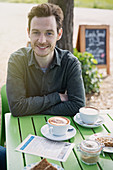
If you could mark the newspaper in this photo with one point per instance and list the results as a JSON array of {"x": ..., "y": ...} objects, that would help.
[{"x": 46, "y": 148}]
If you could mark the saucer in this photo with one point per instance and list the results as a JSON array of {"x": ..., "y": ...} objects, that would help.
[
  {"x": 98, "y": 123},
  {"x": 45, "y": 132}
]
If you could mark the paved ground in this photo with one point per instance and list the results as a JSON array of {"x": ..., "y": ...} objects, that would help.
[{"x": 13, "y": 34}]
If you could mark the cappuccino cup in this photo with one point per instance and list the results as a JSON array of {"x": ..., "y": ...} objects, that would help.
[
  {"x": 58, "y": 125},
  {"x": 89, "y": 115}
]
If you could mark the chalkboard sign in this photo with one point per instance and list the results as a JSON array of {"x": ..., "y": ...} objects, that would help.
[
  {"x": 95, "y": 40},
  {"x": 96, "y": 44}
]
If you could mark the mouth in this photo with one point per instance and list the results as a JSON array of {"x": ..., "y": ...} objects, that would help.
[{"x": 42, "y": 47}]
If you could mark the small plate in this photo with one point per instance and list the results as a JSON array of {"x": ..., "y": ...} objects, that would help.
[
  {"x": 45, "y": 132},
  {"x": 28, "y": 167},
  {"x": 78, "y": 120},
  {"x": 95, "y": 136}
]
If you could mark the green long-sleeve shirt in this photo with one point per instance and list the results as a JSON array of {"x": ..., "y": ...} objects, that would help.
[{"x": 31, "y": 91}]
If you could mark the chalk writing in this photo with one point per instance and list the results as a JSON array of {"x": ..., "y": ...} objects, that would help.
[{"x": 96, "y": 44}]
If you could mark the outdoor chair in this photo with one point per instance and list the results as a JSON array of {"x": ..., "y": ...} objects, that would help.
[{"x": 5, "y": 109}]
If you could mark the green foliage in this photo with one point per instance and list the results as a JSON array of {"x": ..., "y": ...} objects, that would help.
[
  {"x": 27, "y": 1},
  {"x": 91, "y": 76},
  {"x": 102, "y": 4}
]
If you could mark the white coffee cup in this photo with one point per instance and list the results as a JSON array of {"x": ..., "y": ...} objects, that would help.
[
  {"x": 89, "y": 115},
  {"x": 58, "y": 125}
]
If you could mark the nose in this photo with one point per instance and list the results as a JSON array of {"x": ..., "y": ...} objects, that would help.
[{"x": 42, "y": 38}]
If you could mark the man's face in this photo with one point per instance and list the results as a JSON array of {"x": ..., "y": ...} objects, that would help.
[{"x": 43, "y": 35}]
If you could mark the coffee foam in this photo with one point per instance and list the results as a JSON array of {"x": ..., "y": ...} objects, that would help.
[
  {"x": 58, "y": 121},
  {"x": 89, "y": 111}
]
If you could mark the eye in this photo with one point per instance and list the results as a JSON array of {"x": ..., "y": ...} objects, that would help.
[
  {"x": 49, "y": 33},
  {"x": 36, "y": 32}
]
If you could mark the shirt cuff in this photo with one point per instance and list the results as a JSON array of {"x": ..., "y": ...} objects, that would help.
[{"x": 54, "y": 98}]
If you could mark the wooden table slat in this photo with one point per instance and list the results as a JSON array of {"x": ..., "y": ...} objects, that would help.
[
  {"x": 14, "y": 158},
  {"x": 39, "y": 121},
  {"x": 26, "y": 129}
]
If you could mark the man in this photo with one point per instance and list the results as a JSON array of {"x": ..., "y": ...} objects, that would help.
[
  {"x": 43, "y": 79},
  {"x": 2, "y": 158}
]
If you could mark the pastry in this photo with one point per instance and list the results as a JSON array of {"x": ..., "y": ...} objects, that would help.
[
  {"x": 43, "y": 165},
  {"x": 107, "y": 141}
]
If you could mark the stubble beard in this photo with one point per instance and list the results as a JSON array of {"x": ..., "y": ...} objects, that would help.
[{"x": 51, "y": 51}]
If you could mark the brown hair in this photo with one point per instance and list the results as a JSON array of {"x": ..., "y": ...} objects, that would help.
[{"x": 45, "y": 10}]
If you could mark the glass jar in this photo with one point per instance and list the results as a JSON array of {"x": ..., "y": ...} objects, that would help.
[{"x": 90, "y": 151}]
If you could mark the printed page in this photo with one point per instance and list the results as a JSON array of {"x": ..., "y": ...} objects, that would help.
[{"x": 46, "y": 148}]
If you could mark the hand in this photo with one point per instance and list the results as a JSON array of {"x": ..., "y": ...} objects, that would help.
[{"x": 63, "y": 97}]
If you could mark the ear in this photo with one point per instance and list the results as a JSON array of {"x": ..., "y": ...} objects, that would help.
[
  {"x": 59, "y": 34},
  {"x": 28, "y": 32}
]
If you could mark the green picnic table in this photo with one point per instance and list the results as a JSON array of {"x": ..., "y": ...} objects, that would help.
[{"x": 18, "y": 128}]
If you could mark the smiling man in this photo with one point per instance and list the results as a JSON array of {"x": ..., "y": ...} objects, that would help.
[{"x": 44, "y": 79}]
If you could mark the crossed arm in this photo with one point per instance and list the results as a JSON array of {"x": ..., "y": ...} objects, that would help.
[{"x": 54, "y": 103}]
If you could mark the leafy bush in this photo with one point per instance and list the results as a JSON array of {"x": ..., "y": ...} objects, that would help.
[{"x": 91, "y": 76}]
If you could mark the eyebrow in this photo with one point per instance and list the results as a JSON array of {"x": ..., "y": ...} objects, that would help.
[
  {"x": 34, "y": 30},
  {"x": 50, "y": 30},
  {"x": 39, "y": 30}
]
